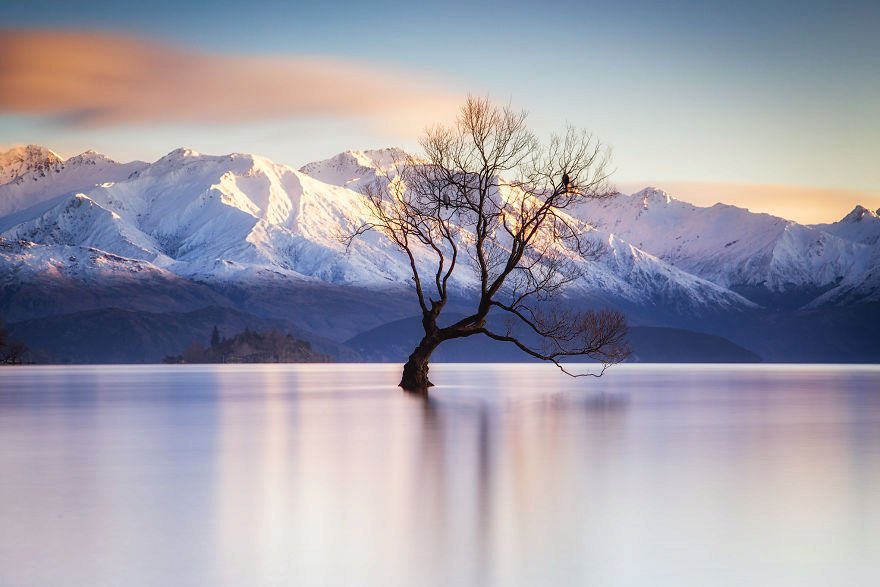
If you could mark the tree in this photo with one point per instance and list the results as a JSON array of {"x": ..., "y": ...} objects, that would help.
[
  {"x": 15, "y": 353},
  {"x": 487, "y": 203},
  {"x": 12, "y": 352},
  {"x": 215, "y": 337}
]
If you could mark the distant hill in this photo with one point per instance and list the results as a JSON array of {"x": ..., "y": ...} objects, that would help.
[
  {"x": 111, "y": 335},
  {"x": 395, "y": 340},
  {"x": 674, "y": 345}
]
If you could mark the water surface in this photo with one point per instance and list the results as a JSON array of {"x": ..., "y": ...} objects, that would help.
[{"x": 507, "y": 475}]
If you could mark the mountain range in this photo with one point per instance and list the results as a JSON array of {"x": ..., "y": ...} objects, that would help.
[{"x": 242, "y": 236}]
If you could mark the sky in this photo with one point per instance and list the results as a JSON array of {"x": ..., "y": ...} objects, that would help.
[{"x": 780, "y": 99}]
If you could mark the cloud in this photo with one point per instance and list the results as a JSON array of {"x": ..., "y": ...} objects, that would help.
[
  {"x": 98, "y": 79},
  {"x": 807, "y": 205}
]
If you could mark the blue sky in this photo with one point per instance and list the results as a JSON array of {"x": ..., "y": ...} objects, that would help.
[{"x": 781, "y": 93}]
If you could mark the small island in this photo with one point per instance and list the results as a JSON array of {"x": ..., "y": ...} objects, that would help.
[{"x": 250, "y": 347}]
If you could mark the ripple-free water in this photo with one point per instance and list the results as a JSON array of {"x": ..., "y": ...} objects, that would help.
[{"x": 506, "y": 475}]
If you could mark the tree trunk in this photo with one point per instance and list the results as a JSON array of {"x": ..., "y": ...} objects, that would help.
[{"x": 415, "y": 371}]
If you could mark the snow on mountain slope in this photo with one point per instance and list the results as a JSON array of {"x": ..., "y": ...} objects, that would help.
[
  {"x": 19, "y": 161},
  {"x": 622, "y": 271},
  {"x": 353, "y": 169},
  {"x": 861, "y": 226},
  {"x": 865, "y": 289},
  {"x": 859, "y": 288},
  {"x": 44, "y": 280},
  {"x": 79, "y": 221},
  {"x": 31, "y": 175},
  {"x": 727, "y": 245},
  {"x": 243, "y": 217},
  {"x": 82, "y": 263},
  {"x": 213, "y": 213},
  {"x": 218, "y": 216},
  {"x": 636, "y": 276}
]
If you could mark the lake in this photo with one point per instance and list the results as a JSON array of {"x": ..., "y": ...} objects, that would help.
[{"x": 508, "y": 475}]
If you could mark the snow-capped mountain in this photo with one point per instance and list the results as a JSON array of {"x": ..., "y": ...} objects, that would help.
[
  {"x": 235, "y": 216},
  {"x": 31, "y": 175},
  {"x": 354, "y": 169},
  {"x": 215, "y": 216},
  {"x": 19, "y": 161},
  {"x": 727, "y": 245},
  {"x": 240, "y": 218},
  {"x": 860, "y": 289},
  {"x": 861, "y": 226},
  {"x": 240, "y": 232},
  {"x": 38, "y": 280}
]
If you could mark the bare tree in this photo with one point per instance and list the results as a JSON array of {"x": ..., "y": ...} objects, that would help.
[
  {"x": 12, "y": 352},
  {"x": 487, "y": 204},
  {"x": 15, "y": 353}
]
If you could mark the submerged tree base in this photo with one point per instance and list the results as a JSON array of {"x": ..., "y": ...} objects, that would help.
[
  {"x": 416, "y": 389},
  {"x": 415, "y": 374}
]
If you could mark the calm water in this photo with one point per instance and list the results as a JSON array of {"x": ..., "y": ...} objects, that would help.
[{"x": 508, "y": 475}]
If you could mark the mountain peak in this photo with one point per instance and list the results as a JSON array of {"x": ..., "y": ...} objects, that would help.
[
  {"x": 859, "y": 213},
  {"x": 21, "y": 160},
  {"x": 352, "y": 167},
  {"x": 861, "y": 226},
  {"x": 367, "y": 158},
  {"x": 652, "y": 195},
  {"x": 88, "y": 158},
  {"x": 380, "y": 158},
  {"x": 181, "y": 153},
  {"x": 29, "y": 152}
]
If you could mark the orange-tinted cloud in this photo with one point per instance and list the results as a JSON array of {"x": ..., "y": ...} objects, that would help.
[
  {"x": 807, "y": 205},
  {"x": 86, "y": 78}
]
